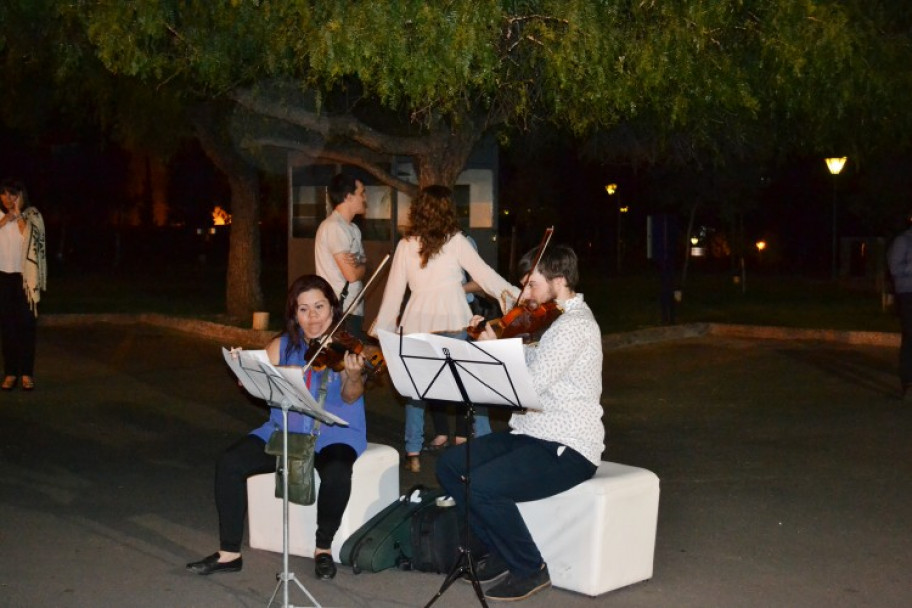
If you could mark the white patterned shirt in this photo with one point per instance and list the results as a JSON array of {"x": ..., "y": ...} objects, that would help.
[{"x": 566, "y": 370}]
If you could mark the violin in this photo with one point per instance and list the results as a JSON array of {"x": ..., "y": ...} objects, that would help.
[
  {"x": 525, "y": 318},
  {"x": 528, "y": 316},
  {"x": 332, "y": 355},
  {"x": 330, "y": 350}
]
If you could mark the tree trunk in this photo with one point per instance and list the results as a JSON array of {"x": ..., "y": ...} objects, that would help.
[
  {"x": 243, "y": 294},
  {"x": 448, "y": 155}
]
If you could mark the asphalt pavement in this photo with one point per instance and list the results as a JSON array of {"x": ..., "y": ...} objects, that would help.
[{"x": 784, "y": 468}]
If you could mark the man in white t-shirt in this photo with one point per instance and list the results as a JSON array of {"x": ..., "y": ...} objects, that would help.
[{"x": 339, "y": 252}]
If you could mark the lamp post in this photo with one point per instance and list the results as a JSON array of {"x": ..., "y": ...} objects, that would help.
[
  {"x": 835, "y": 165},
  {"x": 611, "y": 189}
]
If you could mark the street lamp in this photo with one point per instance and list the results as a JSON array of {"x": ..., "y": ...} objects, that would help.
[
  {"x": 835, "y": 165},
  {"x": 611, "y": 189}
]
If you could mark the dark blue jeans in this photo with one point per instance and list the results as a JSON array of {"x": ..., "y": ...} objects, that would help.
[{"x": 507, "y": 469}]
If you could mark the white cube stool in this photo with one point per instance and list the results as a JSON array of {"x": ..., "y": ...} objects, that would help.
[
  {"x": 375, "y": 484},
  {"x": 601, "y": 534}
]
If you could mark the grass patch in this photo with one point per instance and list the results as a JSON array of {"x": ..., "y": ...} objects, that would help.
[
  {"x": 622, "y": 304},
  {"x": 181, "y": 291}
]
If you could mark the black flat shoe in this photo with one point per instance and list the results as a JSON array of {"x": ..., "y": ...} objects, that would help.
[
  {"x": 209, "y": 565},
  {"x": 436, "y": 447},
  {"x": 324, "y": 566}
]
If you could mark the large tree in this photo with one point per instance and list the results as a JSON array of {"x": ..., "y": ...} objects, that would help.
[
  {"x": 362, "y": 82},
  {"x": 690, "y": 77}
]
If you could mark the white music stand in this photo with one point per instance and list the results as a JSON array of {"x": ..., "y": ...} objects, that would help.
[
  {"x": 281, "y": 387},
  {"x": 491, "y": 373}
]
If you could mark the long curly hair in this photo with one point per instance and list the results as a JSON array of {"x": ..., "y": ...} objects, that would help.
[{"x": 432, "y": 218}]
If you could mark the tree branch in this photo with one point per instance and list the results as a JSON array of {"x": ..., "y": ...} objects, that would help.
[
  {"x": 344, "y": 156},
  {"x": 330, "y": 126}
]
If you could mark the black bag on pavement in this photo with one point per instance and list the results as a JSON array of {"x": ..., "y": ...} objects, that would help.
[
  {"x": 384, "y": 541},
  {"x": 436, "y": 536}
]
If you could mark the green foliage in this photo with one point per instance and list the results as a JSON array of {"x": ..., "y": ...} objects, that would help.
[{"x": 709, "y": 68}]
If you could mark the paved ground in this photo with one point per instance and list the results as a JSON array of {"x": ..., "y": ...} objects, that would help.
[{"x": 785, "y": 471}]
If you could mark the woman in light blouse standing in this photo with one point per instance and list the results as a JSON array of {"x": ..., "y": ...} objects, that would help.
[
  {"x": 23, "y": 275},
  {"x": 430, "y": 261}
]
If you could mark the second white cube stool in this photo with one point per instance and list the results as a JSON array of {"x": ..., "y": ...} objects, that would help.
[
  {"x": 375, "y": 484},
  {"x": 601, "y": 534}
]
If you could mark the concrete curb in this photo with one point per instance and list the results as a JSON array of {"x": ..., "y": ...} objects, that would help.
[
  {"x": 868, "y": 338},
  {"x": 754, "y": 332},
  {"x": 652, "y": 335},
  {"x": 228, "y": 335},
  {"x": 251, "y": 338}
]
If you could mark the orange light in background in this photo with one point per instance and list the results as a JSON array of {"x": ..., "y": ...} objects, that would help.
[
  {"x": 761, "y": 245},
  {"x": 836, "y": 164},
  {"x": 220, "y": 217}
]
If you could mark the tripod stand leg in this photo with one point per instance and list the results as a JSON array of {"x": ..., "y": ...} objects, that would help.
[
  {"x": 465, "y": 563},
  {"x": 283, "y": 584},
  {"x": 285, "y": 575}
]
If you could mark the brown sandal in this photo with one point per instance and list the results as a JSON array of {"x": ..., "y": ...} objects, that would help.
[
  {"x": 9, "y": 383},
  {"x": 412, "y": 463},
  {"x": 28, "y": 383}
]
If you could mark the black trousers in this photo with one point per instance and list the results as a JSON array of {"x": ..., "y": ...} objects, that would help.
[
  {"x": 440, "y": 417},
  {"x": 17, "y": 327},
  {"x": 247, "y": 457},
  {"x": 904, "y": 307}
]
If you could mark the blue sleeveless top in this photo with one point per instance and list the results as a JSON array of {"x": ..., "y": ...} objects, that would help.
[{"x": 354, "y": 435}]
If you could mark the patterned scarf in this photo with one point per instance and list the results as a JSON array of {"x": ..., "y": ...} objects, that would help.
[{"x": 34, "y": 262}]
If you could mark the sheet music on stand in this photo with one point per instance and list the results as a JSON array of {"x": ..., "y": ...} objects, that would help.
[
  {"x": 494, "y": 372},
  {"x": 278, "y": 386}
]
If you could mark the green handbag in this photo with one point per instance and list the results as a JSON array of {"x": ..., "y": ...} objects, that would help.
[{"x": 301, "y": 448}]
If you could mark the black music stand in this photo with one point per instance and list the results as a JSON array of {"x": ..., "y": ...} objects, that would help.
[
  {"x": 431, "y": 358},
  {"x": 281, "y": 388}
]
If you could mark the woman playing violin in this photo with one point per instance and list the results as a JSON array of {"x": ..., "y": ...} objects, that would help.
[
  {"x": 546, "y": 451},
  {"x": 430, "y": 260},
  {"x": 311, "y": 309}
]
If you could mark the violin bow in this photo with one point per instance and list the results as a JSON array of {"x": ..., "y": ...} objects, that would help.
[
  {"x": 348, "y": 310},
  {"x": 546, "y": 238}
]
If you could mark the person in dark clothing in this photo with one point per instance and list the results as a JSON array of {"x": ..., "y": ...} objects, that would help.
[{"x": 899, "y": 259}]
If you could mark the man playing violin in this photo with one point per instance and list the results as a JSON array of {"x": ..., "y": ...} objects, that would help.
[{"x": 545, "y": 451}]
